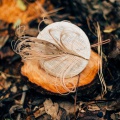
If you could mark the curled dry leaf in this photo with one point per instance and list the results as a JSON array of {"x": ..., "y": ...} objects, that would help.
[
  {"x": 39, "y": 112},
  {"x": 110, "y": 28},
  {"x": 93, "y": 107},
  {"x": 14, "y": 108},
  {"x": 51, "y": 108}
]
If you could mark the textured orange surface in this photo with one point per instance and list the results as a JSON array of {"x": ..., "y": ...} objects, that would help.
[
  {"x": 10, "y": 12},
  {"x": 35, "y": 74}
]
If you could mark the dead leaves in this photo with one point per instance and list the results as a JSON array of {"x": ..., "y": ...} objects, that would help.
[{"x": 51, "y": 108}]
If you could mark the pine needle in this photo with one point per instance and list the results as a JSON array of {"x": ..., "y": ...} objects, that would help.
[{"x": 100, "y": 73}]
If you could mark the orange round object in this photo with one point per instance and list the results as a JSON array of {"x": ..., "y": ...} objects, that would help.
[{"x": 38, "y": 76}]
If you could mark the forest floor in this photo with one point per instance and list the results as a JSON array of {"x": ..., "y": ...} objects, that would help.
[{"x": 18, "y": 101}]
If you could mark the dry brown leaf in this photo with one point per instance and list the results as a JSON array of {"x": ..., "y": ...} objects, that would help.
[
  {"x": 51, "y": 108},
  {"x": 110, "y": 28},
  {"x": 69, "y": 107}
]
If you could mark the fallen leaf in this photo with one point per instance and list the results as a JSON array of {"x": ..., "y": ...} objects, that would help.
[
  {"x": 69, "y": 107},
  {"x": 39, "y": 112},
  {"x": 110, "y": 28},
  {"x": 93, "y": 107},
  {"x": 51, "y": 108}
]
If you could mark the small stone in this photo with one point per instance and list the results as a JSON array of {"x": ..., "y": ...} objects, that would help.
[
  {"x": 13, "y": 89},
  {"x": 100, "y": 114}
]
